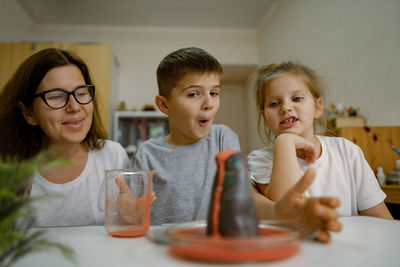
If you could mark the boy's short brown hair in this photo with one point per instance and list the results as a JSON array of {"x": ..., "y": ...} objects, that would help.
[{"x": 181, "y": 62}]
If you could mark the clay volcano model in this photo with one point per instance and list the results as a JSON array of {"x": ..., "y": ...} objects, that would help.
[{"x": 232, "y": 211}]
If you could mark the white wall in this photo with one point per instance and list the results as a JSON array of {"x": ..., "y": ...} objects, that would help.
[
  {"x": 139, "y": 50},
  {"x": 353, "y": 44},
  {"x": 14, "y": 21},
  {"x": 233, "y": 111}
]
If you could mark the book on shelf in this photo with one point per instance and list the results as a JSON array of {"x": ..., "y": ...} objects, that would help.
[{"x": 133, "y": 131}]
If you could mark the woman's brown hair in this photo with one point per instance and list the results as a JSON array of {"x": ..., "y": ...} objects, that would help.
[{"x": 17, "y": 137}]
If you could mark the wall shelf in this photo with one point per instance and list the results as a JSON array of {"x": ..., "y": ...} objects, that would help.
[{"x": 131, "y": 128}]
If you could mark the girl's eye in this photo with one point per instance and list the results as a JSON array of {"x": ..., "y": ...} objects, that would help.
[
  {"x": 298, "y": 98},
  {"x": 273, "y": 104}
]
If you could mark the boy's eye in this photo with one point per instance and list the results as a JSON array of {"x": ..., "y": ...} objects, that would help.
[
  {"x": 193, "y": 94},
  {"x": 214, "y": 93},
  {"x": 298, "y": 98}
]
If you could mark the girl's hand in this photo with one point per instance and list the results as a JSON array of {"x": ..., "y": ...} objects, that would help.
[
  {"x": 304, "y": 149},
  {"x": 314, "y": 213}
]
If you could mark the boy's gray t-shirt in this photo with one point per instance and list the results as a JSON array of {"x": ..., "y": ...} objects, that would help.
[{"x": 184, "y": 174}]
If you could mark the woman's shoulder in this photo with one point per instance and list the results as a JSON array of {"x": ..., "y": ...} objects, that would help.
[
  {"x": 110, "y": 148},
  {"x": 112, "y": 153},
  {"x": 112, "y": 145}
]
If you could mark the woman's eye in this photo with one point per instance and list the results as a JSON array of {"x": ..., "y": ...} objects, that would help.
[
  {"x": 56, "y": 97},
  {"x": 80, "y": 94},
  {"x": 298, "y": 98}
]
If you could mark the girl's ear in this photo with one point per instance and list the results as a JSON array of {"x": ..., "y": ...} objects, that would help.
[
  {"x": 319, "y": 108},
  {"x": 162, "y": 104},
  {"x": 28, "y": 114}
]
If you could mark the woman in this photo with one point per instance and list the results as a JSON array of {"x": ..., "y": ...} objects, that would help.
[{"x": 50, "y": 104}]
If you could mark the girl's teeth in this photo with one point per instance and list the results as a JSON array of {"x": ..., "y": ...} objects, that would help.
[{"x": 289, "y": 120}]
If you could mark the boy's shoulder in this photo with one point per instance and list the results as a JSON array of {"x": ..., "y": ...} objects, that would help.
[
  {"x": 152, "y": 144},
  {"x": 221, "y": 129}
]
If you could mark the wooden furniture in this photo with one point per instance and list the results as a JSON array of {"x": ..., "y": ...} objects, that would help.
[
  {"x": 98, "y": 57},
  {"x": 364, "y": 241},
  {"x": 347, "y": 121},
  {"x": 376, "y": 144},
  {"x": 392, "y": 192}
]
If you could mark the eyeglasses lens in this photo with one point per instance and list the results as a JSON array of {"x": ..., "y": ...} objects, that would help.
[{"x": 58, "y": 99}]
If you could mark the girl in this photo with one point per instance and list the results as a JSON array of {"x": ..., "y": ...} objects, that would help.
[
  {"x": 50, "y": 104},
  {"x": 289, "y": 102}
]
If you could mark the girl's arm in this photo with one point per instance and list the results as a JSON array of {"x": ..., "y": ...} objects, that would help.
[
  {"x": 379, "y": 210},
  {"x": 285, "y": 169}
]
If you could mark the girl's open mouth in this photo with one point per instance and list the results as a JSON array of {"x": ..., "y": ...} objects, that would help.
[{"x": 289, "y": 122}]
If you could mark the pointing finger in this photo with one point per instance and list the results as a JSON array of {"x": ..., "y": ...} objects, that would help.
[{"x": 303, "y": 183}]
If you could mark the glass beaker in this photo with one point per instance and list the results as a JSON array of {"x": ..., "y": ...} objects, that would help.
[{"x": 127, "y": 202}]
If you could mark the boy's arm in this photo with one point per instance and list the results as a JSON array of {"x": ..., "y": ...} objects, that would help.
[
  {"x": 285, "y": 169},
  {"x": 379, "y": 210},
  {"x": 313, "y": 213}
]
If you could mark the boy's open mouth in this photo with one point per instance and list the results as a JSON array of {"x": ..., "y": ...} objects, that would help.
[{"x": 203, "y": 122}]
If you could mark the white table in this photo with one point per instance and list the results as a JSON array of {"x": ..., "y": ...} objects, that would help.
[{"x": 364, "y": 241}]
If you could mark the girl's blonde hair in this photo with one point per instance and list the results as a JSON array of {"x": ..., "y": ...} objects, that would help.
[{"x": 266, "y": 74}]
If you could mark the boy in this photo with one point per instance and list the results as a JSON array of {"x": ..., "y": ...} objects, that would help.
[{"x": 184, "y": 160}]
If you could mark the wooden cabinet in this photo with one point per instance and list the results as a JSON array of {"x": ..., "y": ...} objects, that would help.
[
  {"x": 376, "y": 144},
  {"x": 98, "y": 57},
  {"x": 392, "y": 192},
  {"x": 347, "y": 121}
]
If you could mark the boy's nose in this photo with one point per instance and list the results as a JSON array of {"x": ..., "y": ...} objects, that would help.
[{"x": 207, "y": 103}]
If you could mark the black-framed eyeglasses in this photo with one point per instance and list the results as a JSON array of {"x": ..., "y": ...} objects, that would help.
[{"x": 58, "y": 98}]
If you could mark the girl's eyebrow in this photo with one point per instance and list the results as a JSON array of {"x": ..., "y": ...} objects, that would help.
[
  {"x": 292, "y": 93},
  {"x": 299, "y": 91}
]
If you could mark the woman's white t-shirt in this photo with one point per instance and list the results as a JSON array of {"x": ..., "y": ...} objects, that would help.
[{"x": 75, "y": 203}]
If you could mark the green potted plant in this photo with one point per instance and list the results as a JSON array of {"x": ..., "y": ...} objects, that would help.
[{"x": 16, "y": 240}]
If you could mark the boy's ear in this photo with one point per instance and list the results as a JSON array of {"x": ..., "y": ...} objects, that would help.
[
  {"x": 161, "y": 103},
  {"x": 319, "y": 108},
  {"x": 28, "y": 114}
]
